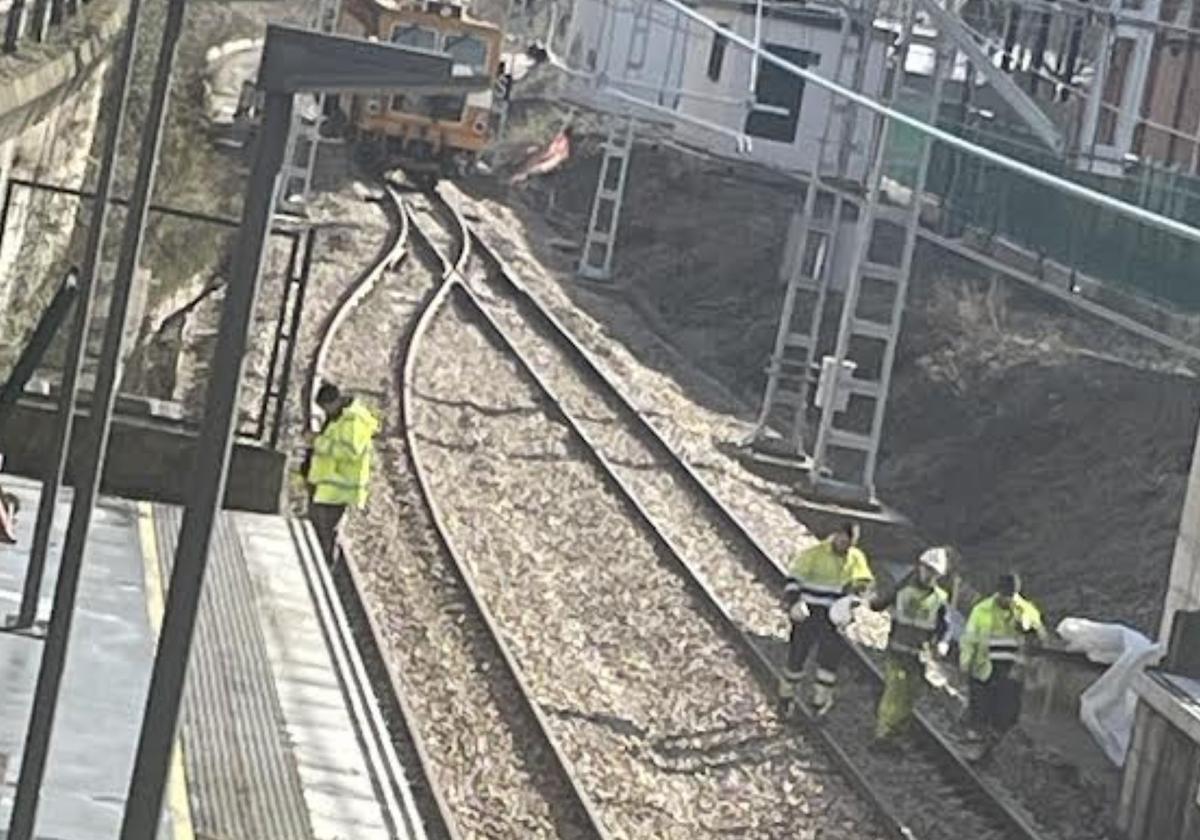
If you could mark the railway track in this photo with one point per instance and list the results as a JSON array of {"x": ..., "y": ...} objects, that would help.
[
  {"x": 651, "y": 694},
  {"x": 928, "y": 792},
  {"x": 489, "y": 767}
]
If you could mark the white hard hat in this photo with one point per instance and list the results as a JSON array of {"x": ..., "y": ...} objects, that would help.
[{"x": 937, "y": 559}]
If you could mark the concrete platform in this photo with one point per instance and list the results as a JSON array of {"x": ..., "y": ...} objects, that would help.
[
  {"x": 278, "y": 739},
  {"x": 108, "y": 670}
]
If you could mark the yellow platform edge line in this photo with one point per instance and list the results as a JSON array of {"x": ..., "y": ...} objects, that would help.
[{"x": 177, "y": 795}]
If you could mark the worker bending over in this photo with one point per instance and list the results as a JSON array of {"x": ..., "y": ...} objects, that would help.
[
  {"x": 817, "y": 577},
  {"x": 920, "y": 628},
  {"x": 341, "y": 464},
  {"x": 992, "y": 652}
]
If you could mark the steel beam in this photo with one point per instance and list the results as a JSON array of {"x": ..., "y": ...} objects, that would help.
[
  {"x": 144, "y": 803},
  {"x": 77, "y": 342},
  {"x": 1024, "y": 105},
  {"x": 31, "y": 355},
  {"x": 293, "y": 61},
  {"x": 54, "y": 654}
]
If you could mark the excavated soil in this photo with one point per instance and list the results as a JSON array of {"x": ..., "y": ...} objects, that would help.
[{"x": 1023, "y": 432}]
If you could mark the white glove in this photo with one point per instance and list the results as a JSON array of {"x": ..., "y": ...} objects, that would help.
[
  {"x": 943, "y": 649},
  {"x": 799, "y": 612},
  {"x": 841, "y": 613}
]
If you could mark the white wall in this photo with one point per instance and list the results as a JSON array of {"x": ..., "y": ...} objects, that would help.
[
  {"x": 677, "y": 53},
  {"x": 734, "y": 80},
  {"x": 638, "y": 44}
]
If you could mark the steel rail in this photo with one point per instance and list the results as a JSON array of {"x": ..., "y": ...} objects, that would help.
[
  {"x": 429, "y": 308},
  {"x": 402, "y": 813},
  {"x": 758, "y": 661},
  {"x": 392, "y": 252},
  {"x": 451, "y": 271},
  {"x": 767, "y": 569}
]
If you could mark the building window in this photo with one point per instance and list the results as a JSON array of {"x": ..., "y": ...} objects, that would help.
[
  {"x": 716, "y": 55},
  {"x": 780, "y": 94},
  {"x": 1114, "y": 89}
]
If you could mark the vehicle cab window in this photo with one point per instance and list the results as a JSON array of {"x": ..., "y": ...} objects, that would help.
[
  {"x": 469, "y": 53},
  {"x": 407, "y": 35}
]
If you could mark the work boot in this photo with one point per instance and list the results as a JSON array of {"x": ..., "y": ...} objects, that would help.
[
  {"x": 785, "y": 703},
  {"x": 981, "y": 750},
  {"x": 822, "y": 699}
]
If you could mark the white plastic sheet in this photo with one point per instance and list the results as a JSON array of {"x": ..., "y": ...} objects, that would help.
[{"x": 1108, "y": 706}]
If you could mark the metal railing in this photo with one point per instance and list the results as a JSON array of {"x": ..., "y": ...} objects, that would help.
[
  {"x": 33, "y": 19},
  {"x": 978, "y": 196}
]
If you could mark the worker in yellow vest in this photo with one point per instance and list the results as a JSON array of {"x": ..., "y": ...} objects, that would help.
[
  {"x": 817, "y": 578},
  {"x": 920, "y": 628},
  {"x": 992, "y": 654},
  {"x": 340, "y": 469}
]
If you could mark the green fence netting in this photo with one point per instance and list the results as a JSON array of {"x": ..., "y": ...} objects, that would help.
[{"x": 1098, "y": 242}]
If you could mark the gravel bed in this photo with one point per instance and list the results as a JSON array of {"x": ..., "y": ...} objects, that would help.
[
  {"x": 723, "y": 560},
  {"x": 653, "y": 703},
  {"x": 1068, "y": 803},
  {"x": 493, "y": 769},
  {"x": 656, "y": 378},
  {"x": 353, "y": 230},
  {"x": 684, "y": 516},
  {"x": 666, "y": 388}
]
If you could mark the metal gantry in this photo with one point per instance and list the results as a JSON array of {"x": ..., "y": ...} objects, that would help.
[
  {"x": 859, "y": 374},
  {"x": 601, "y": 240},
  {"x": 846, "y": 390},
  {"x": 807, "y": 264}
]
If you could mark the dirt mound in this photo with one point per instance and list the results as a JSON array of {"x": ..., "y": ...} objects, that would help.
[
  {"x": 1023, "y": 432},
  {"x": 1030, "y": 450}
]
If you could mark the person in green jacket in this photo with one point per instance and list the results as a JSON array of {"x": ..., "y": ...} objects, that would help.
[
  {"x": 992, "y": 655},
  {"x": 817, "y": 577},
  {"x": 340, "y": 469},
  {"x": 920, "y": 627}
]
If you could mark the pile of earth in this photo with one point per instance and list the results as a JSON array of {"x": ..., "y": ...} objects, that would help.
[{"x": 1026, "y": 434}]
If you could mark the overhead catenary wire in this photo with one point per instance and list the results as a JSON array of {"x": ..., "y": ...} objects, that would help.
[{"x": 1033, "y": 173}]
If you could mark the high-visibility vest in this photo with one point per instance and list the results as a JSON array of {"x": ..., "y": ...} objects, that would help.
[
  {"x": 916, "y": 616},
  {"x": 997, "y": 635},
  {"x": 341, "y": 463},
  {"x": 820, "y": 575}
]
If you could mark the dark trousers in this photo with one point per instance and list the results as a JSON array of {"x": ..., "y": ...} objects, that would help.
[
  {"x": 325, "y": 520},
  {"x": 816, "y": 631},
  {"x": 995, "y": 705}
]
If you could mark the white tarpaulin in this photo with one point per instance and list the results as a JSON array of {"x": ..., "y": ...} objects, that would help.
[{"x": 1108, "y": 706}]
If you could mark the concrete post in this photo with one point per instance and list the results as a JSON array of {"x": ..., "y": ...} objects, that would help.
[{"x": 1183, "y": 588}]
